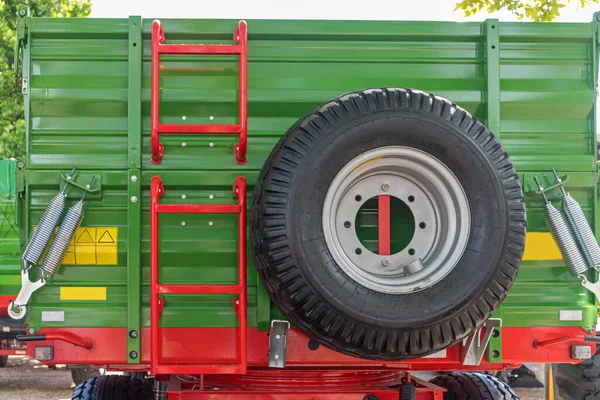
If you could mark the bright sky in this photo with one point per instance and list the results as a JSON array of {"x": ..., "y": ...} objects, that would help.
[{"x": 436, "y": 10}]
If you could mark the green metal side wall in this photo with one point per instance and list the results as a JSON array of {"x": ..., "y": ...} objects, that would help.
[
  {"x": 533, "y": 84},
  {"x": 10, "y": 265}
]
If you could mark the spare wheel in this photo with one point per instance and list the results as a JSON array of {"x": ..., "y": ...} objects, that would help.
[{"x": 388, "y": 224}]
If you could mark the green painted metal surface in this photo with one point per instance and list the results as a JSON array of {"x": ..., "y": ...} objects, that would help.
[
  {"x": 10, "y": 266},
  {"x": 88, "y": 104}
]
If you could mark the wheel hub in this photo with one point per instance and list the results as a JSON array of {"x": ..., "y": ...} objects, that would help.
[{"x": 438, "y": 204}]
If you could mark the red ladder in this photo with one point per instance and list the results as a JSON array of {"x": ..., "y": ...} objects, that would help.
[
  {"x": 156, "y": 288},
  {"x": 240, "y": 48}
]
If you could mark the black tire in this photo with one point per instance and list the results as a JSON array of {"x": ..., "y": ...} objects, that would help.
[
  {"x": 474, "y": 386},
  {"x": 136, "y": 375},
  {"x": 3, "y": 361},
  {"x": 113, "y": 387},
  {"x": 578, "y": 382},
  {"x": 312, "y": 290},
  {"x": 83, "y": 373}
]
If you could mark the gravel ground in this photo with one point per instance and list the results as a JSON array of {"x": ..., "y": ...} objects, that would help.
[
  {"x": 27, "y": 379},
  {"x": 530, "y": 394}
]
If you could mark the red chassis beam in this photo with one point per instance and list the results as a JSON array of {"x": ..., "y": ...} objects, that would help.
[
  {"x": 218, "y": 346},
  {"x": 13, "y": 352}
]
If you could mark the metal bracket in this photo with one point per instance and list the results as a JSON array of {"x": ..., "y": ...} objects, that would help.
[
  {"x": 21, "y": 39},
  {"x": 278, "y": 343},
  {"x": 592, "y": 287},
  {"x": 474, "y": 346},
  {"x": 27, "y": 289}
]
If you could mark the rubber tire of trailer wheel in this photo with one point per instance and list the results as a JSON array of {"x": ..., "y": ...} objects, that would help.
[
  {"x": 474, "y": 386},
  {"x": 3, "y": 361},
  {"x": 113, "y": 387},
  {"x": 316, "y": 294},
  {"x": 578, "y": 382}
]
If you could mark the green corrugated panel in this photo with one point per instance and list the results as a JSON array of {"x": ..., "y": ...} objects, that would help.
[
  {"x": 78, "y": 115},
  {"x": 8, "y": 179},
  {"x": 10, "y": 279}
]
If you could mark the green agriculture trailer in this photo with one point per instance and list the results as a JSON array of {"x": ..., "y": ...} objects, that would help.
[{"x": 308, "y": 209}]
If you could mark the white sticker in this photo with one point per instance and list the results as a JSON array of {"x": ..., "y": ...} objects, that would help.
[
  {"x": 439, "y": 354},
  {"x": 6, "y": 329},
  {"x": 53, "y": 316},
  {"x": 571, "y": 315}
]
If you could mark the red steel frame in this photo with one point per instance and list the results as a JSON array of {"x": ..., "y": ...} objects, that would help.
[
  {"x": 277, "y": 384},
  {"x": 384, "y": 215},
  {"x": 156, "y": 303},
  {"x": 240, "y": 48}
]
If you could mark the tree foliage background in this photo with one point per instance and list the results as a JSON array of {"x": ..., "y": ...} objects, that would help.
[
  {"x": 534, "y": 10},
  {"x": 12, "y": 124}
]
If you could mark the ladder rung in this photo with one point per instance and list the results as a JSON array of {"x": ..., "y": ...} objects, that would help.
[
  {"x": 199, "y": 128},
  {"x": 199, "y": 289},
  {"x": 198, "y": 208},
  {"x": 208, "y": 49}
]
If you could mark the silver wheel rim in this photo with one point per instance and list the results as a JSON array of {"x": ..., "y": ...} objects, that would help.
[{"x": 438, "y": 201}]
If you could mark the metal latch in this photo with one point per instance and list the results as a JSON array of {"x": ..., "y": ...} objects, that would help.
[
  {"x": 278, "y": 343},
  {"x": 21, "y": 34},
  {"x": 474, "y": 346}
]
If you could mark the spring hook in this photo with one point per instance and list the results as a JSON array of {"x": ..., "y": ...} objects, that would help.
[
  {"x": 562, "y": 236},
  {"x": 45, "y": 229},
  {"x": 579, "y": 225},
  {"x": 65, "y": 234}
]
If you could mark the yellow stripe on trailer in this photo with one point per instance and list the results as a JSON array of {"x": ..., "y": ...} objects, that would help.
[
  {"x": 541, "y": 246},
  {"x": 83, "y": 293}
]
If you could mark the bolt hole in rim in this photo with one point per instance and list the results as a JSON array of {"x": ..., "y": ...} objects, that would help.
[{"x": 434, "y": 196}]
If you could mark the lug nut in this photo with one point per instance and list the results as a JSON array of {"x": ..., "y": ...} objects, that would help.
[
  {"x": 385, "y": 187},
  {"x": 385, "y": 262}
]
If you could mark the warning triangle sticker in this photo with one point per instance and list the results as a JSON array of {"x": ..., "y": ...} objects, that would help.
[
  {"x": 85, "y": 237},
  {"x": 106, "y": 237}
]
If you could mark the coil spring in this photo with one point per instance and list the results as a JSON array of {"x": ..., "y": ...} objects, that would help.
[
  {"x": 62, "y": 240},
  {"x": 564, "y": 239},
  {"x": 408, "y": 391},
  {"x": 41, "y": 236},
  {"x": 580, "y": 226}
]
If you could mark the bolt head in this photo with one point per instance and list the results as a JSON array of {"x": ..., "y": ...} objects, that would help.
[
  {"x": 211, "y": 197},
  {"x": 183, "y": 117},
  {"x": 211, "y": 144},
  {"x": 183, "y": 196},
  {"x": 183, "y": 144},
  {"x": 385, "y": 187},
  {"x": 210, "y": 223},
  {"x": 211, "y": 118},
  {"x": 133, "y": 178},
  {"x": 31, "y": 331},
  {"x": 385, "y": 262},
  {"x": 133, "y": 334},
  {"x": 277, "y": 356},
  {"x": 183, "y": 223},
  {"x": 133, "y": 354},
  {"x": 134, "y": 199},
  {"x": 277, "y": 336}
]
